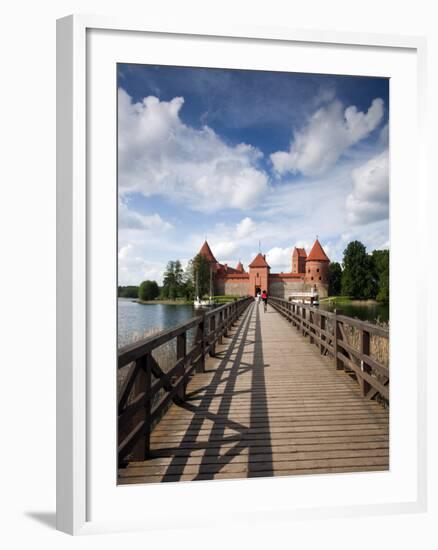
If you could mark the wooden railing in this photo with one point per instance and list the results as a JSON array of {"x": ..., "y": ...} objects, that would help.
[
  {"x": 148, "y": 389},
  {"x": 329, "y": 331}
]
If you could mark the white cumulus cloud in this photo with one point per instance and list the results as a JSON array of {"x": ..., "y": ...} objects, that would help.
[
  {"x": 369, "y": 199},
  {"x": 245, "y": 228},
  {"x": 130, "y": 219},
  {"x": 135, "y": 268},
  {"x": 160, "y": 155},
  {"x": 280, "y": 258},
  {"x": 224, "y": 249},
  {"x": 329, "y": 132}
]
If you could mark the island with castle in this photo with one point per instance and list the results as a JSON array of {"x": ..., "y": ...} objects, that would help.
[{"x": 309, "y": 274}]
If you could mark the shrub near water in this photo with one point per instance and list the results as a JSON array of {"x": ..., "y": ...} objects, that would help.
[
  {"x": 225, "y": 299},
  {"x": 148, "y": 291}
]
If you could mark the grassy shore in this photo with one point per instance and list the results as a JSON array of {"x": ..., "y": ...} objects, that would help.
[
  {"x": 181, "y": 302},
  {"x": 165, "y": 302},
  {"x": 346, "y": 300}
]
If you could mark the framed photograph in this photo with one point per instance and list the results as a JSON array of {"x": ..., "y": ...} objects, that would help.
[{"x": 238, "y": 216}]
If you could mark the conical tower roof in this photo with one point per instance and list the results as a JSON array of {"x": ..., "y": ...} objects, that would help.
[
  {"x": 207, "y": 253},
  {"x": 259, "y": 261},
  {"x": 317, "y": 253}
]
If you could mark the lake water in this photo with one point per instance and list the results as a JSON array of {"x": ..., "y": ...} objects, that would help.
[
  {"x": 365, "y": 312},
  {"x": 135, "y": 320}
]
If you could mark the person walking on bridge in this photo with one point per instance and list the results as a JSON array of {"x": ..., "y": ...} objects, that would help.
[{"x": 265, "y": 300}]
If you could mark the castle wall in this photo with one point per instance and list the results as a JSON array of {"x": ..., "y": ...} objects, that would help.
[
  {"x": 277, "y": 285},
  {"x": 281, "y": 288},
  {"x": 284, "y": 287},
  {"x": 232, "y": 286}
]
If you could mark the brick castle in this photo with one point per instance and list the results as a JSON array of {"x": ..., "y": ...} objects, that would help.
[{"x": 307, "y": 272}]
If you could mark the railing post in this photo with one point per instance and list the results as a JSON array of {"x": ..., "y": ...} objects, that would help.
[
  {"x": 365, "y": 350},
  {"x": 221, "y": 325},
  {"x": 142, "y": 384},
  {"x": 181, "y": 352},
  {"x": 226, "y": 311},
  {"x": 303, "y": 319},
  {"x": 200, "y": 340},
  {"x": 212, "y": 345},
  {"x": 337, "y": 336},
  {"x": 321, "y": 336},
  {"x": 311, "y": 320}
]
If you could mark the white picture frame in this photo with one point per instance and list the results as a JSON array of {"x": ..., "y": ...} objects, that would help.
[{"x": 76, "y": 212}]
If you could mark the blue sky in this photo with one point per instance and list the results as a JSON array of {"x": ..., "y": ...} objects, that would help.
[{"x": 242, "y": 156}]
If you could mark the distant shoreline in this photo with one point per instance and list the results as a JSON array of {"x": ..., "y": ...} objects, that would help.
[
  {"x": 350, "y": 301},
  {"x": 164, "y": 302}
]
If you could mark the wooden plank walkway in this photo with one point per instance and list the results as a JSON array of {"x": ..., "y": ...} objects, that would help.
[{"x": 268, "y": 404}]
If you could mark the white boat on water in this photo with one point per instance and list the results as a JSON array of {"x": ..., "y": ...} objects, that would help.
[
  {"x": 207, "y": 302},
  {"x": 204, "y": 303},
  {"x": 309, "y": 298}
]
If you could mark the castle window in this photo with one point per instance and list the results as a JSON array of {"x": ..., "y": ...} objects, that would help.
[
  {"x": 317, "y": 270},
  {"x": 308, "y": 271},
  {"x": 311, "y": 278},
  {"x": 320, "y": 278}
]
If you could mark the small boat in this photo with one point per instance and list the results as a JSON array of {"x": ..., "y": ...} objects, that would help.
[
  {"x": 208, "y": 302},
  {"x": 310, "y": 298},
  {"x": 204, "y": 303}
]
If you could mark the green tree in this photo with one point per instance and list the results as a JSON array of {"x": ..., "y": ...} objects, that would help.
[
  {"x": 127, "y": 291},
  {"x": 148, "y": 290},
  {"x": 173, "y": 280},
  {"x": 381, "y": 267},
  {"x": 334, "y": 279},
  {"x": 199, "y": 273},
  {"x": 358, "y": 276}
]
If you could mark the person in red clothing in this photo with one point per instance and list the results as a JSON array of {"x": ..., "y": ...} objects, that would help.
[{"x": 265, "y": 300}]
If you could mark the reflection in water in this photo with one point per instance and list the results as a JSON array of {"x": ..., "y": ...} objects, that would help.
[
  {"x": 374, "y": 312},
  {"x": 137, "y": 320}
]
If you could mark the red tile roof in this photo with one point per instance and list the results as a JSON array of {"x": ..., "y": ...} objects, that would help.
[
  {"x": 239, "y": 267},
  {"x": 317, "y": 253},
  {"x": 259, "y": 261},
  {"x": 234, "y": 275},
  {"x": 207, "y": 253},
  {"x": 301, "y": 252}
]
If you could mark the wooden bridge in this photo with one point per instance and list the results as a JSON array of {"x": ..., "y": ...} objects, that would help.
[{"x": 293, "y": 390}]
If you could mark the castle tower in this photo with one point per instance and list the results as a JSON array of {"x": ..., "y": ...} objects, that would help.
[
  {"x": 317, "y": 264},
  {"x": 207, "y": 253},
  {"x": 239, "y": 267},
  {"x": 299, "y": 260},
  {"x": 258, "y": 275}
]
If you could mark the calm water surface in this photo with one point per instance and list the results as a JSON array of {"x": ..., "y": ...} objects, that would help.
[
  {"x": 366, "y": 312},
  {"x": 136, "y": 320}
]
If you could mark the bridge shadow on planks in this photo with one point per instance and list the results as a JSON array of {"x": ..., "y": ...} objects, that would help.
[
  {"x": 212, "y": 404},
  {"x": 268, "y": 404}
]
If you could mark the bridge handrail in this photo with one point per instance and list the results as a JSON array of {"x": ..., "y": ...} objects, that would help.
[
  {"x": 327, "y": 330},
  {"x": 139, "y": 403}
]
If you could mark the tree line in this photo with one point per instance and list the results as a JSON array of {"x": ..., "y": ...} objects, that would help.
[
  {"x": 177, "y": 283},
  {"x": 361, "y": 275}
]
